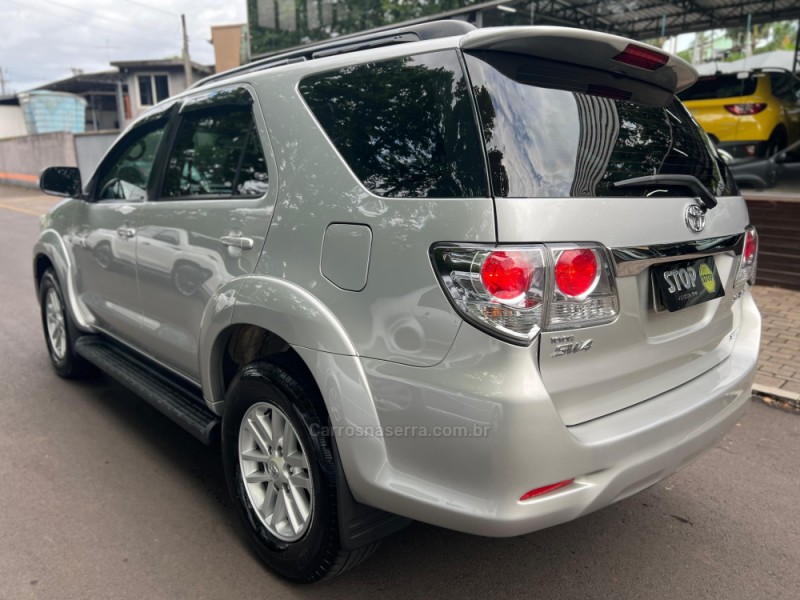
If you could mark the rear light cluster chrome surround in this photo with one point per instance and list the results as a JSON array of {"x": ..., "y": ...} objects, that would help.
[
  {"x": 746, "y": 272},
  {"x": 514, "y": 292}
]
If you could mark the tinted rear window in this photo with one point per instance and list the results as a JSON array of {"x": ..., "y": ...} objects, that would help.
[
  {"x": 405, "y": 126},
  {"x": 719, "y": 86},
  {"x": 552, "y": 130}
]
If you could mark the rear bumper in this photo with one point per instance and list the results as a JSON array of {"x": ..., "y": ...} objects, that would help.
[
  {"x": 466, "y": 438},
  {"x": 740, "y": 149}
]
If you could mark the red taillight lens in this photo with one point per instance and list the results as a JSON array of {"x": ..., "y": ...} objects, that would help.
[
  {"x": 644, "y": 58},
  {"x": 545, "y": 490},
  {"x": 577, "y": 272},
  {"x": 747, "y": 264},
  {"x": 750, "y": 247},
  {"x": 507, "y": 275},
  {"x": 748, "y": 108}
]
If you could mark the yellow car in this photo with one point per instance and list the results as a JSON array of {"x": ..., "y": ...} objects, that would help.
[{"x": 749, "y": 114}]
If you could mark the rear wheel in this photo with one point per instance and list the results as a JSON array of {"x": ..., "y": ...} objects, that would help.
[
  {"x": 777, "y": 142},
  {"x": 281, "y": 474},
  {"x": 103, "y": 255},
  {"x": 60, "y": 332}
]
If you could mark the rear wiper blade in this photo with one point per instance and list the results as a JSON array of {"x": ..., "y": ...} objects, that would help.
[{"x": 689, "y": 181}]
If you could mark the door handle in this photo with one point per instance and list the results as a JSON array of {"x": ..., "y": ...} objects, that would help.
[
  {"x": 235, "y": 241},
  {"x": 126, "y": 232}
]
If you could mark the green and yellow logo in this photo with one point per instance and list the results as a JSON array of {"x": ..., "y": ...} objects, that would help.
[{"x": 707, "y": 277}]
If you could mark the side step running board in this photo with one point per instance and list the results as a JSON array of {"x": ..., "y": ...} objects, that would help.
[{"x": 181, "y": 403}]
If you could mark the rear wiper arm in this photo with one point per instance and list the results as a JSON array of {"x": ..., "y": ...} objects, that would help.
[{"x": 689, "y": 181}]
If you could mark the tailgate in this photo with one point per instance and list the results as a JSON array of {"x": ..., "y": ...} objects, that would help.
[
  {"x": 559, "y": 138},
  {"x": 647, "y": 350}
]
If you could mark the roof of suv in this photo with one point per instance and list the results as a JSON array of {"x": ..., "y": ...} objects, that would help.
[
  {"x": 564, "y": 44},
  {"x": 348, "y": 43}
]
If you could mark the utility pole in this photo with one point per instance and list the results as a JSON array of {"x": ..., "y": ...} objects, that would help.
[
  {"x": 796, "y": 61},
  {"x": 187, "y": 63},
  {"x": 2, "y": 83},
  {"x": 120, "y": 104},
  {"x": 748, "y": 37}
]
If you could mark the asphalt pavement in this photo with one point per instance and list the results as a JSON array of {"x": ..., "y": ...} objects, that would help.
[{"x": 101, "y": 498}]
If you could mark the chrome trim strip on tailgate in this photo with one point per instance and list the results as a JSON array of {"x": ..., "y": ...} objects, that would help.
[{"x": 632, "y": 260}]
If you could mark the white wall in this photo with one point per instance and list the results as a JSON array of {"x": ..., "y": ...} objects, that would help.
[{"x": 12, "y": 121}]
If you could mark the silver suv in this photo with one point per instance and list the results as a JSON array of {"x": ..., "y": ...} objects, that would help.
[{"x": 491, "y": 280}]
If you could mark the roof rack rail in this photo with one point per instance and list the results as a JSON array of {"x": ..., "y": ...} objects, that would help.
[{"x": 385, "y": 36}]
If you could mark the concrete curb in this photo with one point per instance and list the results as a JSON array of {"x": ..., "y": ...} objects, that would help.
[{"x": 790, "y": 400}]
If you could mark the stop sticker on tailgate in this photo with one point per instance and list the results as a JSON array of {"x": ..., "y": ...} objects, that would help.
[{"x": 682, "y": 284}]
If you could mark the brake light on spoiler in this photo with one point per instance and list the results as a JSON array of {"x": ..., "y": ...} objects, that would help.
[{"x": 644, "y": 58}]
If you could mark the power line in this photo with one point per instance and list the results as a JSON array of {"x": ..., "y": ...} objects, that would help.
[
  {"x": 96, "y": 14},
  {"x": 84, "y": 23},
  {"x": 161, "y": 10}
]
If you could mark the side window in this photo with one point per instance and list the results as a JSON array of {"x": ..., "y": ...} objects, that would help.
[
  {"x": 781, "y": 86},
  {"x": 152, "y": 89},
  {"x": 216, "y": 153},
  {"x": 126, "y": 176},
  {"x": 404, "y": 126},
  {"x": 168, "y": 236}
]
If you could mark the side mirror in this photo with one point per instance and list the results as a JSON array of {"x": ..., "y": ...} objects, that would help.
[
  {"x": 788, "y": 155},
  {"x": 61, "y": 181}
]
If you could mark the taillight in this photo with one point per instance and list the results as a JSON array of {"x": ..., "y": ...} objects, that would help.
[
  {"x": 500, "y": 290},
  {"x": 644, "y": 58},
  {"x": 514, "y": 292},
  {"x": 750, "y": 247},
  {"x": 747, "y": 262},
  {"x": 584, "y": 293},
  {"x": 747, "y": 108},
  {"x": 507, "y": 275},
  {"x": 577, "y": 272}
]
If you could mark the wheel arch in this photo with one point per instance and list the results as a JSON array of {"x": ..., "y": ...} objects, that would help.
[
  {"x": 260, "y": 317},
  {"x": 781, "y": 130},
  {"x": 50, "y": 252},
  {"x": 41, "y": 262}
]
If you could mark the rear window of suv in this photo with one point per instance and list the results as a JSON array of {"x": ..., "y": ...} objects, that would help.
[
  {"x": 405, "y": 126},
  {"x": 719, "y": 86},
  {"x": 558, "y": 130}
]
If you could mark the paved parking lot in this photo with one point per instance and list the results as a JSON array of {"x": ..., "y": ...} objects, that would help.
[{"x": 101, "y": 497}]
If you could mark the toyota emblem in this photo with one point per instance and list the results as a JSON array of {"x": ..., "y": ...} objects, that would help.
[{"x": 695, "y": 218}]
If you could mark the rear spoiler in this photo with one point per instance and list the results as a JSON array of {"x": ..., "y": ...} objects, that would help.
[{"x": 590, "y": 49}]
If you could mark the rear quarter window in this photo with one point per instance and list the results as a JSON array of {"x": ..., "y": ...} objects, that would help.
[
  {"x": 719, "y": 86},
  {"x": 405, "y": 126}
]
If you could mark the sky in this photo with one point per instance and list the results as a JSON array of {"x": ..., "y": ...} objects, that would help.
[{"x": 43, "y": 40}]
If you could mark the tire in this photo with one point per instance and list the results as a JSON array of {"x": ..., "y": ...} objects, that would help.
[
  {"x": 103, "y": 255},
  {"x": 777, "y": 142},
  {"x": 264, "y": 394},
  {"x": 188, "y": 278},
  {"x": 60, "y": 332}
]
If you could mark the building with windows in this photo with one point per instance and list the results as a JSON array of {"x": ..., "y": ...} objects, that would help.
[
  {"x": 102, "y": 93},
  {"x": 151, "y": 81}
]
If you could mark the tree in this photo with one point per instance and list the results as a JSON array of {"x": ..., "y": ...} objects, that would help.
[{"x": 316, "y": 20}]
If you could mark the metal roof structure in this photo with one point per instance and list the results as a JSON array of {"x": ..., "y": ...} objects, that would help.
[{"x": 644, "y": 19}]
